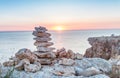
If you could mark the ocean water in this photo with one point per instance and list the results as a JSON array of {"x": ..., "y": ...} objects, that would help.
[{"x": 11, "y": 42}]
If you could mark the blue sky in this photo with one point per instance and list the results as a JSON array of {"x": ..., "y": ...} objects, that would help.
[{"x": 27, "y": 13}]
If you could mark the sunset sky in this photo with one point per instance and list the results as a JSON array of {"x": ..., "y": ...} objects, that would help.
[{"x": 20, "y": 15}]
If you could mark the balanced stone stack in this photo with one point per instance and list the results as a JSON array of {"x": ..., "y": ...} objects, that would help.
[{"x": 44, "y": 51}]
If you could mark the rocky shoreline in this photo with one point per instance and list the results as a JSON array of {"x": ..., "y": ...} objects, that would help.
[{"x": 98, "y": 62}]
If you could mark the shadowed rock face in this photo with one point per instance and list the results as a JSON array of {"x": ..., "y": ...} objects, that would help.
[{"x": 103, "y": 47}]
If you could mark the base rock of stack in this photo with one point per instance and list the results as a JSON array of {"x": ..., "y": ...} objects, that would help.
[
  {"x": 45, "y": 49},
  {"x": 45, "y": 55},
  {"x": 45, "y": 61}
]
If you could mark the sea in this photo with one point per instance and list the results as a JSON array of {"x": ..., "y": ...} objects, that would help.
[{"x": 76, "y": 40}]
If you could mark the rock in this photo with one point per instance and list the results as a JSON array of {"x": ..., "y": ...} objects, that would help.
[
  {"x": 21, "y": 64},
  {"x": 39, "y": 34},
  {"x": 103, "y": 47},
  {"x": 115, "y": 71},
  {"x": 101, "y": 64},
  {"x": 115, "y": 60},
  {"x": 0, "y": 68},
  {"x": 26, "y": 54},
  {"x": 115, "y": 66},
  {"x": 70, "y": 54},
  {"x": 61, "y": 53},
  {"x": 32, "y": 67},
  {"x": 67, "y": 62},
  {"x": 42, "y": 39},
  {"x": 90, "y": 72},
  {"x": 45, "y": 55},
  {"x": 16, "y": 60},
  {"x": 43, "y": 44},
  {"x": 64, "y": 71},
  {"x": 118, "y": 63},
  {"x": 45, "y": 49},
  {"x": 41, "y": 29},
  {"x": 79, "y": 56},
  {"x": 45, "y": 61},
  {"x": 84, "y": 63},
  {"x": 89, "y": 53},
  {"x": 9, "y": 63},
  {"x": 78, "y": 70},
  {"x": 61, "y": 50},
  {"x": 98, "y": 63},
  {"x": 99, "y": 76}
]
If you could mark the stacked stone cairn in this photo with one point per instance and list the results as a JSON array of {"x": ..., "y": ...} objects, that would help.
[{"x": 44, "y": 51}]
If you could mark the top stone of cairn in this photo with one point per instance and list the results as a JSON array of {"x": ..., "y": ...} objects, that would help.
[{"x": 41, "y": 29}]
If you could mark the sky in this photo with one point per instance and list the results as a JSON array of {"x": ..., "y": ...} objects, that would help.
[{"x": 21, "y": 15}]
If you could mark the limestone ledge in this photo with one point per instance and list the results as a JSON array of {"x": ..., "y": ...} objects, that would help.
[{"x": 103, "y": 47}]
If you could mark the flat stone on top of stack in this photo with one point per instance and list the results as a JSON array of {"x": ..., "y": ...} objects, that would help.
[{"x": 44, "y": 51}]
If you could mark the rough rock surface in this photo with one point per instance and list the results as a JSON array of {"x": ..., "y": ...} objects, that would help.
[
  {"x": 85, "y": 68},
  {"x": 0, "y": 68},
  {"x": 45, "y": 55},
  {"x": 62, "y": 53},
  {"x": 115, "y": 60},
  {"x": 45, "y": 61},
  {"x": 24, "y": 60},
  {"x": 26, "y": 54},
  {"x": 89, "y": 72},
  {"x": 60, "y": 70},
  {"x": 103, "y": 47},
  {"x": 67, "y": 62},
  {"x": 115, "y": 65},
  {"x": 98, "y": 63},
  {"x": 9, "y": 63},
  {"x": 32, "y": 67},
  {"x": 21, "y": 64}
]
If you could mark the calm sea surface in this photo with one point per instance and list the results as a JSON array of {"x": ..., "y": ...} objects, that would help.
[{"x": 11, "y": 42}]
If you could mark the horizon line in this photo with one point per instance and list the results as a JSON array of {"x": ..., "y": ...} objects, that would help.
[{"x": 58, "y": 30}]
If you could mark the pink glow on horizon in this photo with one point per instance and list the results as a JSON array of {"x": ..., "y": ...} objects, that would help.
[{"x": 67, "y": 26}]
